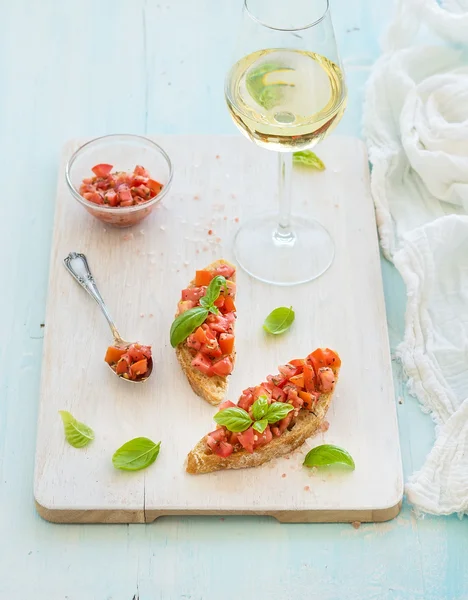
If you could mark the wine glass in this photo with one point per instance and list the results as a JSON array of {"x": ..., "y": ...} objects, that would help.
[{"x": 285, "y": 92}]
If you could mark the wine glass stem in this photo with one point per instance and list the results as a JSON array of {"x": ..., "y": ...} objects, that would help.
[{"x": 284, "y": 234}]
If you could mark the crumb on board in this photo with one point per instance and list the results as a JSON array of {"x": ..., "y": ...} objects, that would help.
[
  {"x": 196, "y": 197},
  {"x": 218, "y": 240},
  {"x": 233, "y": 196},
  {"x": 127, "y": 237},
  {"x": 151, "y": 315},
  {"x": 205, "y": 248},
  {"x": 186, "y": 263},
  {"x": 210, "y": 232},
  {"x": 283, "y": 475},
  {"x": 324, "y": 425},
  {"x": 197, "y": 251},
  {"x": 356, "y": 524},
  {"x": 142, "y": 315},
  {"x": 236, "y": 219},
  {"x": 225, "y": 217},
  {"x": 307, "y": 488},
  {"x": 218, "y": 156}
]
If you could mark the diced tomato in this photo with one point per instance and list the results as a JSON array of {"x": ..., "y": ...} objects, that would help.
[
  {"x": 193, "y": 343},
  {"x": 135, "y": 352},
  {"x": 222, "y": 449},
  {"x": 140, "y": 367},
  {"x": 219, "y": 302},
  {"x": 200, "y": 335},
  {"x": 185, "y": 305},
  {"x": 122, "y": 366},
  {"x": 298, "y": 380},
  {"x": 218, "y": 323},
  {"x": 275, "y": 431},
  {"x": 222, "y": 367},
  {"x": 309, "y": 378},
  {"x": 277, "y": 394},
  {"x": 324, "y": 358},
  {"x": 211, "y": 350},
  {"x": 297, "y": 362},
  {"x": 277, "y": 380},
  {"x": 194, "y": 294},
  {"x": 226, "y": 343},
  {"x": 226, "y": 404},
  {"x": 102, "y": 170},
  {"x": 284, "y": 423},
  {"x": 202, "y": 363},
  {"x": 288, "y": 370},
  {"x": 259, "y": 390},
  {"x": 246, "y": 400},
  {"x": 114, "y": 354},
  {"x": 229, "y": 305},
  {"x": 111, "y": 197},
  {"x": 140, "y": 171},
  {"x": 234, "y": 438},
  {"x": 263, "y": 438},
  {"x": 93, "y": 197},
  {"x": 294, "y": 399},
  {"x": 218, "y": 434},
  {"x": 246, "y": 439},
  {"x": 154, "y": 186},
  {"x": 225, "y": 270},
  {"x": 327, "y": 379},
  {"x": 308, "y": 399},
  {"x": 203, "y": 277},
  {"x": 125, "y": 195}
]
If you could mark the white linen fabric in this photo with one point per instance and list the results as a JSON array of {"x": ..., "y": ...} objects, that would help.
[{"x": 416, "y": 128}]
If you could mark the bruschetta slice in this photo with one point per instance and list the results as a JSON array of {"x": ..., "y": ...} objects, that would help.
[
  {"x": 271, "y": 419},
  {"x": 207, "y": 355}
]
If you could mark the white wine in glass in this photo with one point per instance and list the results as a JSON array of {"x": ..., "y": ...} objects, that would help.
[{"x": 286, "y": 92}]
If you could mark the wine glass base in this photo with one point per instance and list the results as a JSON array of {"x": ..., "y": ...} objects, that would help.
[{"x": 284, "y": 259}]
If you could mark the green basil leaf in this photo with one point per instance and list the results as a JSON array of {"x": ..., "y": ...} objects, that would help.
[
  {"x": 186, "y": 323},
  {"x": 277, "y": 411},
  {"x": 235, "y": 419},
  {"x": 136, "y": 454},
  {"x": 266, "y": 95},
  {"x": 308, "y": 159},
  {"x": 77, "y": 434},
  {"x": 213, "y": 291},
  {"x": 261, "y": 425},
  {"x": 260, "y": 408},
  {"x": 327, "y": 455},
  {"x": 279, "y": 320}
]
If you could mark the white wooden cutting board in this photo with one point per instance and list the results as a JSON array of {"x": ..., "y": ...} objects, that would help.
[{"x": 219, "y": 180}]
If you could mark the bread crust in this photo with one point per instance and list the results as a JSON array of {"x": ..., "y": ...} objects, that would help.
[
  {"x": 212, "y": 389},
  {"x": 200, "y": 461}
]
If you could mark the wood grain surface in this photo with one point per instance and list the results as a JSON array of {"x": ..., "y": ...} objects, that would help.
[{"x": 219, "y": 182}]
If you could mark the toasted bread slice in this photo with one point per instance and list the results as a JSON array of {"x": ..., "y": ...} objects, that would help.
[
  {"x": 212, "y": 389},
  {"x": 200, "y": 460}
]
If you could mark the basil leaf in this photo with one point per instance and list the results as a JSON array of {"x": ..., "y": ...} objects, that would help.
[
  {"x": 308, "y": 159},
  {"x": 327, "y": 455},
  {"x": 186, "y": 323},
  {"x": 136, "y": 454},
  {"x": 235, "y": 419},
  {"x": 261, "y": 425},
  {"x": 277, "y": 411},
  {"x": 267, "y": 95},
  {"x": 77, "y": 434},
  {"x": 279, "y": 320},
  {"x": 260, "y": 408},
  {"x": 213, "y": 291}
]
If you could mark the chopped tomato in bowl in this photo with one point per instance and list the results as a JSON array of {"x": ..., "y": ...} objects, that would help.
[
  {"x": 119, "y": 179},
  {"x": 129, "y": 363}
]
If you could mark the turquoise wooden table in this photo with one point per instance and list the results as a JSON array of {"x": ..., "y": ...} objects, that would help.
[{"x": 72, "y": 68}]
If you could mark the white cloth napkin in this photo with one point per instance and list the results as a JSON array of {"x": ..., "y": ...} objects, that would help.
[{"x": 416, "y": 126}]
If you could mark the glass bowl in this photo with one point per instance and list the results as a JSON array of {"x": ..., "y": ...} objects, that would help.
[{"x": 123, "y": 152}]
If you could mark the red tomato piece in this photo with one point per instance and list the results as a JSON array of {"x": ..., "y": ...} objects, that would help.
[
  {"x": 211, "y": 350},
  {"x": 218, "y": 434},
  {"x": 298, "y": 380},
  {"x": 263, "y": 438},
  {"x": 297, "y": 362},
  {"x": 114, "y": 354},
  {"x": 135, "y": 353},
  {"x": 309, "y": 378},
  {"x": 226, "y": 343},
  {"x": 122, "y": 365},
  {"x": 307, "y": 399},
  {"x": 226, "y": 404},
  {"x": 246, "y": 439},
  {"x": 219, "y": 302},
  {"x": 246, "y": 400},
  {"x": 203, "y": 277},
  {"x": 200, "y": 336},
  {"x": 288, "y": 370},
  {"x": 194, "y": 294},
  {"x": 222, "y": 367},
  {"x": 225, "y": 270},
  {"x": 102, "y": 170},
  {"x": 154, "y": 186},
  {"x": 139, "y": 368},
  {"x": 327, "y": 379},
  {"x": 140, "y": 171},
  {"x": 229, "y": 305},
  {"x": 193, "y": 343},
  {"x": 202, "y": 363}
]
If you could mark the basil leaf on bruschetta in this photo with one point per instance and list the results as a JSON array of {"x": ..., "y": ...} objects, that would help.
[
  {"x": 235, "y": 419},
  {"x": 260, "y": 408},
  {"x": 261, "y": 425},
  {"x": 186, "y": 323},
  {"x": 277, "y": 411},
  {"x": 327, "y": 455},
  {"x": 213, "y": 291}
]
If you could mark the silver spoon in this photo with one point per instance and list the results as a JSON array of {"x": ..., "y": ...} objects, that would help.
[{"x": 77, "y": 265}]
